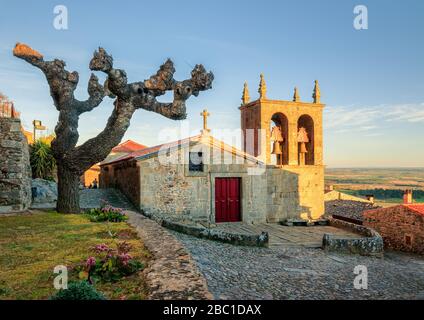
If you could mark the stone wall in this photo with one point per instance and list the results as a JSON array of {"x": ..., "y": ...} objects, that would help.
[
  {"x": 166, "y": 190},
  {"x": 15, "y": 171},
  {"x": 295, "y": 192},
  {"x": 369, "y": 242},
  {"x": 400, "y": 228},
  {"x": 124, "y": 176},
  {"x": 337, "y": 195}
]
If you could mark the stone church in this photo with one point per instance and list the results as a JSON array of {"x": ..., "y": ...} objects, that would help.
[{"x": 278, "y": 175}]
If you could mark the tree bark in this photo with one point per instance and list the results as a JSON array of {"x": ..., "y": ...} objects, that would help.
[{"x": 68, "y": 190}]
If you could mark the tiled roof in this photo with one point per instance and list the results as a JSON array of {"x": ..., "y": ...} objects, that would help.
[
  {"x": 417, "y": 208},
  {"x": 128, "y": 146},
  {"x": 147, "y": 152}
]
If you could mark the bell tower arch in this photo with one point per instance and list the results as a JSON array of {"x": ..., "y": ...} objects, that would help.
[
  {"x": 279, "y": 128},
  {"x": 282, "y": 132}
]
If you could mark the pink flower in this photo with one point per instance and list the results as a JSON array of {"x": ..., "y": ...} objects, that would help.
[
  {"x": 101, "y": 248},
  {"x": 124, "y": 258},
  {"x": 91, "y": 261}
]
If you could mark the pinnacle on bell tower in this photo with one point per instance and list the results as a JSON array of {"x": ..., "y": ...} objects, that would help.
[
  {"x": 317, "y": 93},
  {"x": 245, "y": 98},
  {"x": 262, "y": 88},
  {"x": 296, "y": 96}
]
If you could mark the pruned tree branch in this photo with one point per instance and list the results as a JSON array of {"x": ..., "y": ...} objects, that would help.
[
  {"x": 96, "y": 93},
  {"x": 62, "y": 82}
]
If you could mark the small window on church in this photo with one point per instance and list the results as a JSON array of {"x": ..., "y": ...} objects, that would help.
[{"x": 196, "y": 161}]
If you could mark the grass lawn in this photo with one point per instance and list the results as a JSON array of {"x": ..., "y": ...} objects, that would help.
[{"x": 32, "y": 245}]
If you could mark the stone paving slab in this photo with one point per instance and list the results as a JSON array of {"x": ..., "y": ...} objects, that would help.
[
  {"x": 172, "y": 274},
  {"x": 285, "y": 236}
]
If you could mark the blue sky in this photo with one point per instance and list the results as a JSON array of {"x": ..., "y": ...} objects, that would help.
[{"x": 371, "y": 80}]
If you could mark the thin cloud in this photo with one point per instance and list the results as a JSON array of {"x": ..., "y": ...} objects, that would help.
[{"x": 348, "y": 119}]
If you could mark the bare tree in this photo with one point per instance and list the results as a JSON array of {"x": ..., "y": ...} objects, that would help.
[{"x": 72, "y": 160}]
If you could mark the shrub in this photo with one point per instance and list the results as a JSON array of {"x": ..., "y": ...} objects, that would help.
[
  {"x": 42, "y": 161},
  {"x": 80, "y": 290},
  {"x": 107, "y": 213},
  {"x": 110, "y": 264}
]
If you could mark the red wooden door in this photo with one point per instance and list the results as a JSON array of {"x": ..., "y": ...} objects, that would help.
[{"x": 227, "y": 200}]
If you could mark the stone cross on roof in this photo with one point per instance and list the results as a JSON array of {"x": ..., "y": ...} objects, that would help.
[{"x": 205, "y": 114}]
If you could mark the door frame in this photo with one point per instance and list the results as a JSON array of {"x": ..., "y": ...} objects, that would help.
[{"x": 213, "y": 186}]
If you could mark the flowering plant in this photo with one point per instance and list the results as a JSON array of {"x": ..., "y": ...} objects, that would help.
[
  {"x": 109, "y": 264},
  {"x": 106, "y": 213}
]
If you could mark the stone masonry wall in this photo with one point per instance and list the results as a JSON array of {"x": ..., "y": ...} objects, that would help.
[
  {"x": 165, "y": 189},
  {"x": 295, "y": 192},
  {"x": 337, "y": 195},
  {"x": 124, "y": 176},
  {"x": 15, "y": 170},
  {"x": 396, "y": 225}
]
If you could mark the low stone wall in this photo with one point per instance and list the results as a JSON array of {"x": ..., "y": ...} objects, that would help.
[
  {"x": 371, "y": 243},
  {"x": 259, "y": 240},
  {"x": 172, "y": 274},
  {"x": 15, "y": 171},
  {"x": 337, "y": 195}
]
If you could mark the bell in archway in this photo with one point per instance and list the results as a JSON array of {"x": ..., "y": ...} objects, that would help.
[
  {"x": 276, "y": 148},
  {"x": 303, "y": 148}
]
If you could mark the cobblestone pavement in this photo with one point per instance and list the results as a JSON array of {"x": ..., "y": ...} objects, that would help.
[{"x": 235, "y": 272}]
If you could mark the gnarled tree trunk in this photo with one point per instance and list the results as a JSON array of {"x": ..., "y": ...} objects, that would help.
[
  {"x": 68, "y": 190},
  {"x": 73, "y": 160}
]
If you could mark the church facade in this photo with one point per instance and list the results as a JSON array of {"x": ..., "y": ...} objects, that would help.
[{"x": 277, "y": 176}]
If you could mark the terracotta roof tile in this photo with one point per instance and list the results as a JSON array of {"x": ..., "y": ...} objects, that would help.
[
  {"x": 417, "y": 208},
  {"x": 149, "y": 150},
  {"x": 128, "y": 146}
]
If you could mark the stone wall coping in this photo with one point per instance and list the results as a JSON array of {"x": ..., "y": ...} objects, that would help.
[
  {"x": 256, "y": 240},
  {"x": 281, "y": 102},
  {"x": 370, "y": 242}
]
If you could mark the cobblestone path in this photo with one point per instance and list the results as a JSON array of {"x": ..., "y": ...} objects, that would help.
[
  {"x": 92, "y": 198},
  {"x": 235, "y": 272}
]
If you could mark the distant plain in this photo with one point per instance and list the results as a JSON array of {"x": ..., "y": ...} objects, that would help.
[{"x": 386, "y": 184}]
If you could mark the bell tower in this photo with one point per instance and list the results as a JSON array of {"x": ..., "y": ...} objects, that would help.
[{"x": 282, "y": 132}]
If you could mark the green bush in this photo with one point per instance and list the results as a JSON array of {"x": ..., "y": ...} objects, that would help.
[
  {"x": 42, "y": 160},
  {"x": 81, "y": 290},
  {"x": 107, "y": 213}
]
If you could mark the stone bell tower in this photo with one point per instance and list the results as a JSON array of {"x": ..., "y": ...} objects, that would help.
[
  {"x": 287, "y": 136},
  {"x": 281, "y": 132}
]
